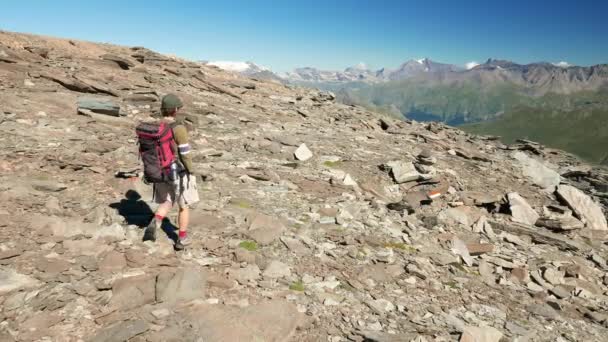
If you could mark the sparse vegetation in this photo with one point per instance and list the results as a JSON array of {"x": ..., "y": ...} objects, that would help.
[
  {"x": 332, "y": 164},
  {"x": 297, "y": 286},
  {"x": 251, "y": 246}
]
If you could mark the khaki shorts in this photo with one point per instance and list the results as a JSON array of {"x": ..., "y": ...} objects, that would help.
[{"x": 184, "y": 192}]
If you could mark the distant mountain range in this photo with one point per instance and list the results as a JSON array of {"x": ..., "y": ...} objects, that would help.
[
  {"x": 361, "y": 73},
  {"x": 554, "y": 103},
  {"x": 539, "y": 78},
  {"x": 246, "y": 68}
]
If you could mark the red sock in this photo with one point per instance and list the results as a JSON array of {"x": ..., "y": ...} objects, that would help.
[
  {"x": 182, "y": 234},
  {"x": 158, "y": 217}
]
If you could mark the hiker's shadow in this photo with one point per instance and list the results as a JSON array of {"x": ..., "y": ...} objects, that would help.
[{"x": 137, "y": 212}]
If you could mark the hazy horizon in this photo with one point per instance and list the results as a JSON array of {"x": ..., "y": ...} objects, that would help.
[{"x": 330, "y": 35}]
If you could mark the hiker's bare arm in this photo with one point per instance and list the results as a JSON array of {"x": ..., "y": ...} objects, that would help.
[{"x": 183, "y": 147}]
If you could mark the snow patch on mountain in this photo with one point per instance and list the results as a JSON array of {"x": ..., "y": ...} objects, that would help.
[
  {"x": 241, "y": 67},
  {"x": 562, "y": 64},
  {"x": 471, "y": 65}
]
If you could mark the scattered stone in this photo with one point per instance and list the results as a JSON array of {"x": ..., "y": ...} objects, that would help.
[
  {"x": 380, "y": 306},
  {"x": 115, "y": 232},
  {"x": 48, "y": 186},
  {"x": 521, "y": 211},
  {"x": 543, "y": 310},
  {"x": 480, "y": 334},
  {"x": 11, "y": 281},
  {"x": 302, "y": 153},
  {"x": 123, "y": 331},
  {"x": 583, "y": 206},
  {"x": 538, "y": 172},
  {"x": 276, "y": 269},
  {"x": 479, "y": 248},
  {"x": 99, "y": 106},
  {"x": 264, "y": 229},
  {"x": 461, "y": 215},
  {"x": 460, "y": 248},
  {"x": 245, "y": 274},
  {"x": 133, "y": 292},
  {"x": 183, "y": 285},
  {"x": 122, "y": 62},
  {"x": 403, "y": 171},
  {"x": 161, "y": 313}
]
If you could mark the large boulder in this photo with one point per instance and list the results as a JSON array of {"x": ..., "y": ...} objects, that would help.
[
  {"x": 183, "y": 285},
  {"x": 264, "y": 229},
  {"x": 521, "y": 211},
  {"x": 480, "y": 334},
  {"x": 537, "y": 172},
  {"x": 583, "y": 207},
  {"x": 11, "y": 281},
  {"x": 132, "y": 292},
  {"x": 403, "y": 171},
  {"x": 270, "y": 321}
]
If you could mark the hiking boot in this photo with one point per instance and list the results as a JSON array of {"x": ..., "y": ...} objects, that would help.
[
  {"x": 178, "y": 245},
  {"x": 181, "y": 243},
  {"x": 150, "y": 231}
]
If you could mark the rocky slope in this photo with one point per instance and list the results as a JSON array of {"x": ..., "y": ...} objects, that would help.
[{"x": 318, "y": 221}]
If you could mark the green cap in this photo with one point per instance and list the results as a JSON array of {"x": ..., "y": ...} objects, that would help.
[{"x": 170, "y": 102}]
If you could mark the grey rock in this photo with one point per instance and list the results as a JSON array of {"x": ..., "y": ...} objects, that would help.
[
  {"x": 560, "y": 224},
  {"x": 268, "y": 321},
  {"x": 264, "y": 229},
  {"x": 403, "y": 171},
  {"x": 543, "y": 310},
  {"x": 462, "y": 215},
  {"x": 303, "y": 153},
  {"x": 114, "y": 232},
  {"x": 122, "y": 331},
  {"x": 11, "y": 281},
  {"x": 246, "y": 274},
  {"x": 132, "y": 292},
  {"x": 480, "y": 334},
  {"x": 521, "y": 211},
  {"x": 99, "y": 106},
  {"x": 48, "y": 186},
  {"x": 583, "y": 207},
  {"x": 460, "y": 248},
  {"x": 289, "y": 140},
  {"x": 183, "y": 285},
  {"x": 122, "y": 62},
  {"x": 161, "y": 313},
  {"x": 276, "y": 269},
  {"x": 538, "y": 172},
  {"x": 380, "y": 306}
]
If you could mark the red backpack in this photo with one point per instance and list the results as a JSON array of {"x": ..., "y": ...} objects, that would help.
[{"x": 156, "y": 149}]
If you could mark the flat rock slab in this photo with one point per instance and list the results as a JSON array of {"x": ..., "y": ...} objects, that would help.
[
  {"x": 403, "y": 171},
  {"x": 480, "y": 334},
  {"x": 583, "y": 207},
  {"x": 264, "y": 229},
  {"x": 271, "y": 321},
  {"x": 121, "y": 332},
  {"x": 132, "y": 292},
  {"x": 11, "y": 281},
  {"x": 100, "y": 106},
  {"x": 462, "y": 215},
  {"x": 303, "y": 153},
  {"x": 521, "y": 211},
  {"x": 537, "y": 172},
  {"x": 183, "y": 285}
]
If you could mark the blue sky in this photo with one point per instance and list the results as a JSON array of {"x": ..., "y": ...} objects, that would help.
[{"x": 331, "y": 34}]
